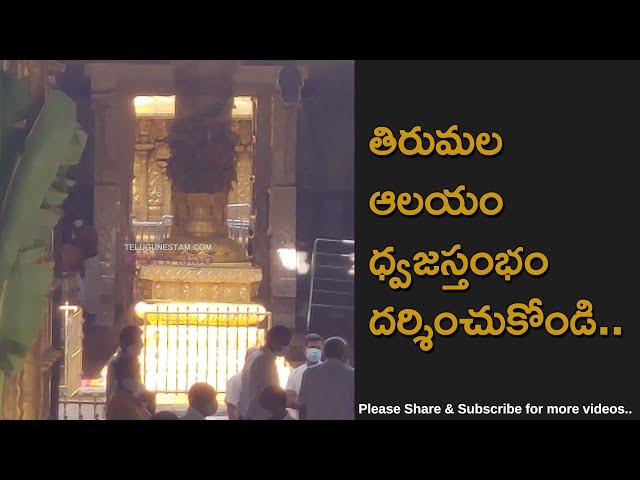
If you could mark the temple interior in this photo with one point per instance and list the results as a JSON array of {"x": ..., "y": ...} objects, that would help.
[{"x": 216, "y": 189}]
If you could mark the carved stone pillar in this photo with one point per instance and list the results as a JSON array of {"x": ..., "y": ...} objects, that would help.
[
  {"x": 274, "y": 188},
  {"x": 282, "y": 211},
  {"x": 114, "y": 130},
  {"x": 262, "y": 169}
]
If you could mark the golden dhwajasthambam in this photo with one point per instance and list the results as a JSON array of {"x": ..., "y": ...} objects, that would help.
[{"x": 197, "y": 304}]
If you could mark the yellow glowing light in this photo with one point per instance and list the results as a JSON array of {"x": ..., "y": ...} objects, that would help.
[
  {"x": 242, "y": 107},
  {"x": 194, "y": 342},
  {"x": 96, "y": 385},
  {"x": 283, "y": 371},
  {"x": 158, "y": 106},
  {"x": 201, "y": 313},
  {"x": 177, "y": 356},
  {"x": 68, "y": 308},
  {"x": 155, "y": 106}
]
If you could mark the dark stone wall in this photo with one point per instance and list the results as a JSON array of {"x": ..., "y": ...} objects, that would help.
[
  {"x": 325, "y": 163},
  {"x": 76, "y": 85}
]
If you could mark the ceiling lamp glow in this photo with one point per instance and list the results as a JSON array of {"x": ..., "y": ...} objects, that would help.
[
  {"x": 242, "y": 108},
  {"x": 155, "y": 106},
  {"x": 158, "y": 106}
]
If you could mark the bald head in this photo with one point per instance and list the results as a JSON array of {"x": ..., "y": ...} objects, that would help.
[
  {"x": 202, "y": 397},
  {"x": 336, "y": 347}
]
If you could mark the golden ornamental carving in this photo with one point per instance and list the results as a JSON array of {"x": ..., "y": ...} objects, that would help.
[
  {"x": 201, "y": 273},
  {"x": 151, "y": 187},
  {"x": 201, "y": 291}
]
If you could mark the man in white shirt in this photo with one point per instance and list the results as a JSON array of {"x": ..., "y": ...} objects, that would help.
[
  {"x": 313, "y": 354},
  {"x": 261, "y": 372},
  {"x": 232, "y": 394},
  {"x": 327, "y": 390}
]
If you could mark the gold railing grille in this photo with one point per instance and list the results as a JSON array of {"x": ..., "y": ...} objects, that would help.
[{"x": 198, "y": 344}]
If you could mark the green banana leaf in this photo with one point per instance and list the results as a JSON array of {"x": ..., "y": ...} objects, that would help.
[
  {"x": 16, "y": 104},
  {"x": 55, "y": 139},
  {"x": 32, "y": 187}
]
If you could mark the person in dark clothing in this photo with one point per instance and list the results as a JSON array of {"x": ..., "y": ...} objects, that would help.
[
  {"x": 327, "y": 389},
  {"x": 124, "y": 379},
  {"x": 274, "y": 400},
  {"x": 164, "y": 415},
  {"x": 90, "y": 273}
]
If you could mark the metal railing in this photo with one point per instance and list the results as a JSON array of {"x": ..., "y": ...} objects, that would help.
[
  {"x": 238, "y": 226},
  {"x": 190, "y": 343},
  {"x": 72, "y": 336},
  {"x": 239, "y": 222},
  {"x": 93, "y": 407},
  {"x": 152, "y": 231},
  {"x": 331, "y": 291}
]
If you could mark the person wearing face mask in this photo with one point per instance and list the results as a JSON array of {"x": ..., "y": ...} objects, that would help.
[
  {"x": 202, "y": 402},
  {"x": 260, "y": 372},
  {"x": 327, "y": 389},
  {"x": 313, "y": 353},
  {"x": 127, "y": 398}
]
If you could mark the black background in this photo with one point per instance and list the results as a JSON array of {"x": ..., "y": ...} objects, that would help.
[{"x": 567, "y": 177}]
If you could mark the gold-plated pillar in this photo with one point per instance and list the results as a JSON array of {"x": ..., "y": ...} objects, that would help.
[{"x": 203, "y": 166}]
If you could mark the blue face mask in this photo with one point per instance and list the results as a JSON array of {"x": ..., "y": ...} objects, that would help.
[{"x": 313, "y": 355}]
